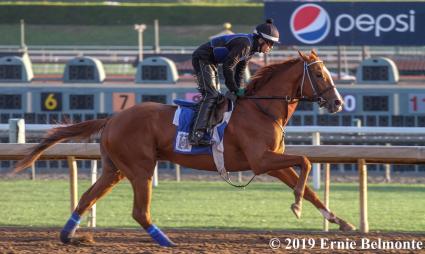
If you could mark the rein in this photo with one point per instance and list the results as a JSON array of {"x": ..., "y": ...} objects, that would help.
[
  {"x": 227, "y": 180},
  {"x": 287, "y": 98}
]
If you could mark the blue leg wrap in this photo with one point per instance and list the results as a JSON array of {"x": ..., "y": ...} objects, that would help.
[
  {"x": 159, "y": 236},
  {"x": 70, "y": 228}
]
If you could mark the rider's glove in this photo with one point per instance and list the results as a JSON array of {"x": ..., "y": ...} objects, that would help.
[{"x": 240, "y": 92}]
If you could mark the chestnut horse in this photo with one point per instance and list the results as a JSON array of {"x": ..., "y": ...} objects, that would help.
[{"x": 133, "y": 140}]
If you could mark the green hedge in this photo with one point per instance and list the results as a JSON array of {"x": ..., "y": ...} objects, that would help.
[{"x": 123, "y": 15}]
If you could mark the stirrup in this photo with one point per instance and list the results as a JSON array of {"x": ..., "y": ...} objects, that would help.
[
  {"x": 196, "y": 139},
  {"x": 204, "y": 142}
]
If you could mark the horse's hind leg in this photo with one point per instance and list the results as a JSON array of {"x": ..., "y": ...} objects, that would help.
[
  {"x": 290, "y": 178},
  {"x": 142, "y": 187},
  {"x": 109, "y": 178}
]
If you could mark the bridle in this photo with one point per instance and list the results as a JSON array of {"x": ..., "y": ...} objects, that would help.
[{"x": 317, "y": 94}]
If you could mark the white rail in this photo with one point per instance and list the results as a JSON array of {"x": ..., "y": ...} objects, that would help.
[{"x": 289, "y": 129}]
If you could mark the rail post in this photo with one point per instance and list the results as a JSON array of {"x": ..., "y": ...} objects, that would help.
[
  {"x": 73, "y": 181},
  {"x": 178, "y": 177},
  {"x": 364, "y": 224},
  {"x": 156, "y": 48},
  {"x": 140, "y": 28},
  {"x": 92, "y": 215},
  {"x": 17, "y": 135},
  {"x": 16, "y": 130},
  {"x": 316, "y": 166},
  {"x": 387, "y": 169},
  {"x": 326, "y": 194}
]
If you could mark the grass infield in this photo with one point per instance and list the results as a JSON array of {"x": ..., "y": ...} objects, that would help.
[{"x": 196, "y": 205}]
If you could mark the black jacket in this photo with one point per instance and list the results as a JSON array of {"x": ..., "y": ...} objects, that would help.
[{"x": 240, "y": 52}]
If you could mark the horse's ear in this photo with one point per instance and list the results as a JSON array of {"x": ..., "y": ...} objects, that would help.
[
  {"x": 314, "y": 53},
  {"x": 303, "y": 56}
]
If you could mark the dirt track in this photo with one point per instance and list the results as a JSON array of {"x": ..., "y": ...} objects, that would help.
[{"x": 45, "y": 240}]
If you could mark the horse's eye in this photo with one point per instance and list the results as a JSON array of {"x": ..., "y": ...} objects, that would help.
[{"x": 319, "y": 75}]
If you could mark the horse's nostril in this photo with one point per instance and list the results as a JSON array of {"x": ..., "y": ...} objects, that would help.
[{"x": 338, "y": 102}]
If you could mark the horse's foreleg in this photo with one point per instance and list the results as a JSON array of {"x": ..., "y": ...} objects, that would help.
[
  {"x": 270, "y": 161},
  {"x": 290, "y": 178},
  {"x": 109, "y": 178},
  {"x": 142, "y": 187}
]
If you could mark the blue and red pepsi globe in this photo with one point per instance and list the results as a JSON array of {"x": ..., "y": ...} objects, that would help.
[{"x": 310, "y": 23}]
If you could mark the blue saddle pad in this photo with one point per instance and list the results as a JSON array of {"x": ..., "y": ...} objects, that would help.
[
  {"x": 186, "y": 118},
  {"x": 185, "y": 103}
]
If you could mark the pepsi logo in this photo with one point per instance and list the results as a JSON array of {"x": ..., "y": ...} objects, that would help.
[{"x": 310, "y": 23}]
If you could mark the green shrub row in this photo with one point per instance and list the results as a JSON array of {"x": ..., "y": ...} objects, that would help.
[{"x": 126, "y": 15}]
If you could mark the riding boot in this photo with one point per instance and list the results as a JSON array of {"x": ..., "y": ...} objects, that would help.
[{"x": 202, "y": 122}]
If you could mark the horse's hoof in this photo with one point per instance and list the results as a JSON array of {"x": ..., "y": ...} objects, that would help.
[
  {"x": 296, "y": 209},
  {"x": 65, "y": 237},
  {"x": 345, "y": 226},
  {"x": 168, "y": 243},
  {"x": 172, "y": 244},
  {"x": 159, "y": 237}
]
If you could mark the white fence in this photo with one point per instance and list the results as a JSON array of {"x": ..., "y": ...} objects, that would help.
[
  {"x": 313, "y": 131},
  {"x": 289, "y": 129}
]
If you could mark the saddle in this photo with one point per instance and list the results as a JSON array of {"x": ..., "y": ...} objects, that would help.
[
  {"x": 222, "y": 106},
  {"x": 184, "y": 119}
]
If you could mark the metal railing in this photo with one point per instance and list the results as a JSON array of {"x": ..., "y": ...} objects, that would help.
[
  {"x": 315, "y": 134},
  {"x": 53, "y": 53}
]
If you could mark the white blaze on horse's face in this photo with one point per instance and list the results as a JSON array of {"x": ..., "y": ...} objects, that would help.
[
  {"x": 321, "y": 83},
  {"x": 334, "y": 101},
  {"x": 324, "y": 87}
]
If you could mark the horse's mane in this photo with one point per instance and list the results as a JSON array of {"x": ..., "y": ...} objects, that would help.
[{"x": 263, "y": 75}]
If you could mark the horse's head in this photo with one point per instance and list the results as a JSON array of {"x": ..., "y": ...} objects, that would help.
[{"x": 317, "y": 83}]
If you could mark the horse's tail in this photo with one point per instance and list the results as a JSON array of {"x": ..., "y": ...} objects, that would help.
[{"x": 79, "y": 131}]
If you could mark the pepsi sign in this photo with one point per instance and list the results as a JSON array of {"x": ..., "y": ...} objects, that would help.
[
  {"x": 310, "y": 23},
  {"x": 348, "y": 23}
]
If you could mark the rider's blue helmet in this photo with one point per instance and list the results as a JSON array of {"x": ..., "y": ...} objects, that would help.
[{"x": 268, "y": 31}]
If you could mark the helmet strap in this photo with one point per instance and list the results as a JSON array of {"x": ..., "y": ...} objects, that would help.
[{"x": 257, "y": 45}]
